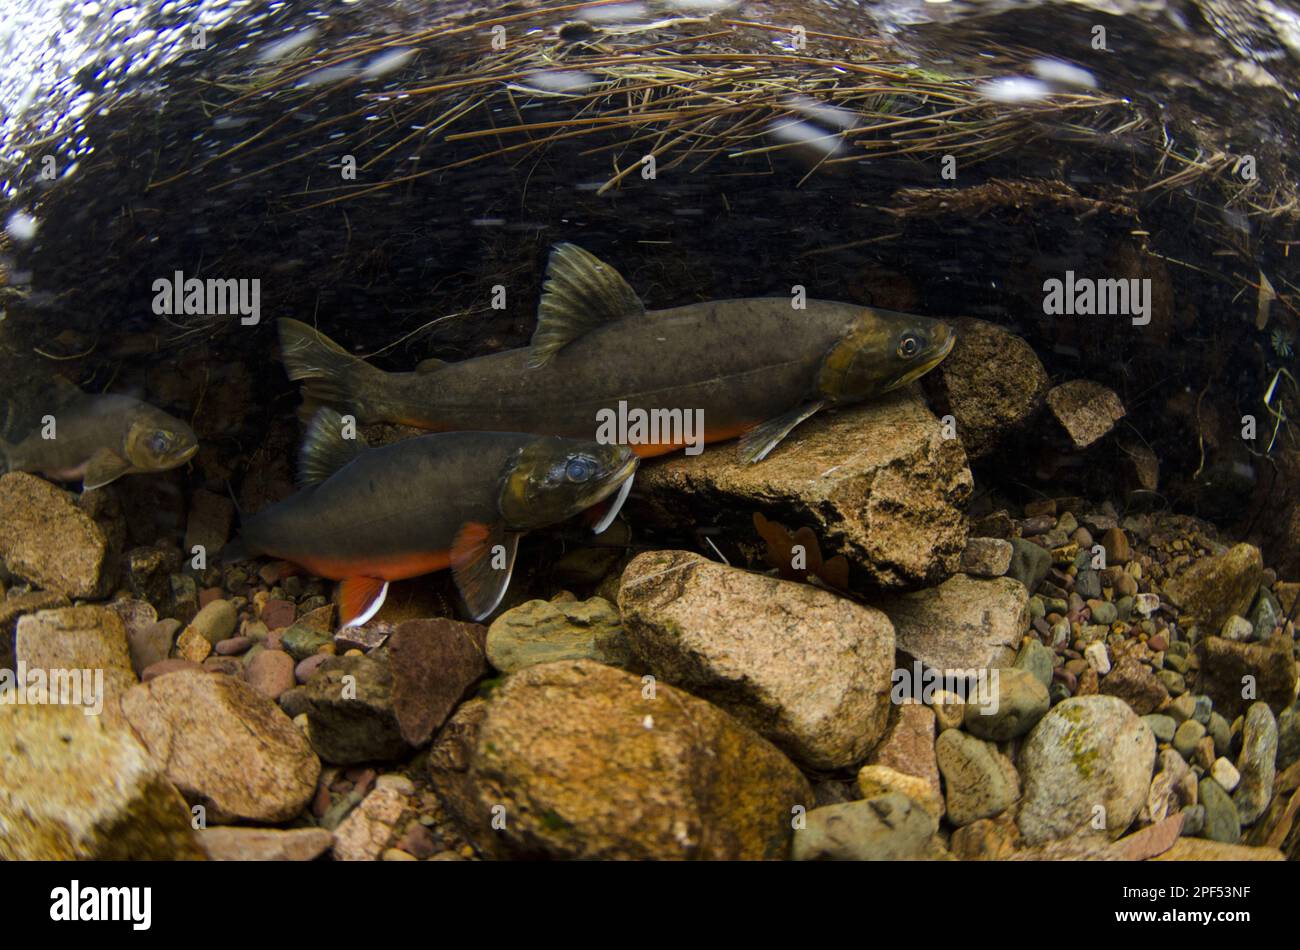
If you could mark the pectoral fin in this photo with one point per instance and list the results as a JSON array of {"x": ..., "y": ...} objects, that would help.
[
  {"x": 360, "y": 599},
  {"x": 581, "y": 293},
  {"x": 482, "y": 560},
  {"x": 760, "y": 440},
  {"x": 104, "y": 466}
]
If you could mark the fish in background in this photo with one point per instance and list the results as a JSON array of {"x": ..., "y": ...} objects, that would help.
[
  {"x": 96, "y": 439},
  {"x": 460, "y": 500},
  {"x": 755, "y": 367}
]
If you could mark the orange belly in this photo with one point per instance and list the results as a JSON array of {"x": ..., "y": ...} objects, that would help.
[
  {"x": 395, "y": 567},
  {"x": 652, "y": 449}
]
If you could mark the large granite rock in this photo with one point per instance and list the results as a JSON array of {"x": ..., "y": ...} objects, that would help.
[
  {"x": 52, "y": 540},
  {"x": 992, "y": 382},
  {"x": 876, "y": 483},
  {"x": 1214, "y": 588},
  {"x": 806, "y": 668},
  {"x": 1086, "y": 767},
  {"x": 72, "y": 787},
  {"x": 576, "y": 759},
  {"x": 224, "y": 745},
  {"x": 964, "y": 623}
]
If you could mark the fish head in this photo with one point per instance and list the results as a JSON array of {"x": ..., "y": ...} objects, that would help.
[
  {"x": 156, "y": 441},
  {"x": 882, "y": 351},
  {"x": 552, "y": 479}
]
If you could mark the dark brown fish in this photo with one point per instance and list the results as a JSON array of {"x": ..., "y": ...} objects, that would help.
[
  {"x": 459, "y": 500},
  {"x": 98, "y": 439},
  {"x": 753, "y": 367}
]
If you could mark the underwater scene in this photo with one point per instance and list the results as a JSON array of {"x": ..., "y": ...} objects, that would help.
[{"x": 649, "y": 430}]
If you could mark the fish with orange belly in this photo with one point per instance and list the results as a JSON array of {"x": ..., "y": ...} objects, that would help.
[
  {"x": 752, "y": 368},
  {"x": 459, "y": 500}
]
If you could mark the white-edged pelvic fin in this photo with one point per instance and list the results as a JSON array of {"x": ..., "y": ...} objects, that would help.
[{"x": 616, "y": 507}]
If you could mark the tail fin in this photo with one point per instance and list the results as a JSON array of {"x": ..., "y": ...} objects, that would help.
[{"x": 331, "y": 375}]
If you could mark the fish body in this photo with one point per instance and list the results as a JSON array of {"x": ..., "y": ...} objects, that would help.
[
  {"x": 753, "y": 367},
  {"x": 98, "y": 439},
  {"x": 457, "y": 500}
]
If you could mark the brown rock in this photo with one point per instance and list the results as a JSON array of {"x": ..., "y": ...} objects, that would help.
[
  {"x": 964, "y": 623},
  {"x": 581, "y": 761},
  {"x": 225, "y": 746},
  {"x": 1212, "y": 589},
  {"x": 1226, "y": 666},
  {"x": 48, "y": 539},
  {"x": 878, "y": 484},
  {"x": 1136, "y": 684},
  {"x": 1202, "y": 849},
  {"x": 992, "y": 382},
  {"x": 435, "y": 665},
  {"x": 271, "y": 673},
  {"x": 265, "y": 844},
  {"x": 14, "y": 608},
  {"x": 73, "y": 787},
  {"x": 725, "y": 635},
  {"x": 1085, "y": 410}
]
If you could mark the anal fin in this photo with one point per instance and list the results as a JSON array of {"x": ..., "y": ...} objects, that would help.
[
  {"x": 482, "y": 560},
  {"x": 760, "y": 440},
  {"x": 360, "y": 599}
]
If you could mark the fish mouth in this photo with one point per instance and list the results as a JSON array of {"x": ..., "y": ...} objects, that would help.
[{"x": 624, "y": 481}]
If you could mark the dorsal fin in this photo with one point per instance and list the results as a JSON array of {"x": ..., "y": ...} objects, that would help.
[
  {"x": 324, "y": 448},
  {"x": 581, "y": 293}
]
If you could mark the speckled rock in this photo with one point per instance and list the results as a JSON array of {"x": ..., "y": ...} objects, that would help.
[
  {"x": 877, "y": 483},
  {"x": 349, "y": 706},
  {"x": 986, "y": 557},
  {"x": 1012, "y": 705},
  {"x": 1135, "y": 683},
  {"x": 1212, "y": 589},
  {"x": 1257, "y": 763},
  {"x": 1222, "y": 823},
  {"x": 964, "y": 623},
  {"x": 264, "y": 844},
  {"x": 992, "y": 382},
  {"x": 13, "y": 608},
  {"x": 374, "y": 826},
  {"x": 806, "y": 668},
  {"x": 51, "y": 540},
  {"x": 586, "y": 761},
  {"x": 72, "y": 787},
  {"x": 1087, "y": 752},
  {"x": 543, "y": 631},
  {"x": 979, "y": 781},
  {"x": 224, "y": 745},
  {"x": 889, "y": 827},
  {"x": 1226, "y": 667},
  {"x": 1085, "y": 410}
]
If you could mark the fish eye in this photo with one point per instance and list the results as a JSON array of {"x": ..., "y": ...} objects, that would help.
[
  {"x": 579, "y": 469},
  {"x": 909, "y": 346},
  {"x": 158, "y": 443}
]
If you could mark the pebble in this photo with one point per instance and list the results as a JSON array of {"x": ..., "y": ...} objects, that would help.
[
  {"x": 1161, "y": 726},
  {"x": 979, "y": 782},
  {"x": 1146, "y": 604},
  {"x": 1225, "y": 773},
  {"x": 270, "y": 672},
  {"x": 1104, "y": 612},
  {"x": 1257, "y": 762},
  {"x": 1021, "y": 700},
  {"x": 306, "y": 669},
  {"x": 215, "y": 622},
  {"x": 233, "y": 646},
  {"x": 1117, "y": 547},
  {"x": 1038, "y": 660},
  {"x": 1221, "y": 820},
  {"x": 1098, "y": 658},
  {"x": 1237, "y": 629},
  {"x": 1186, "y": 738}
]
